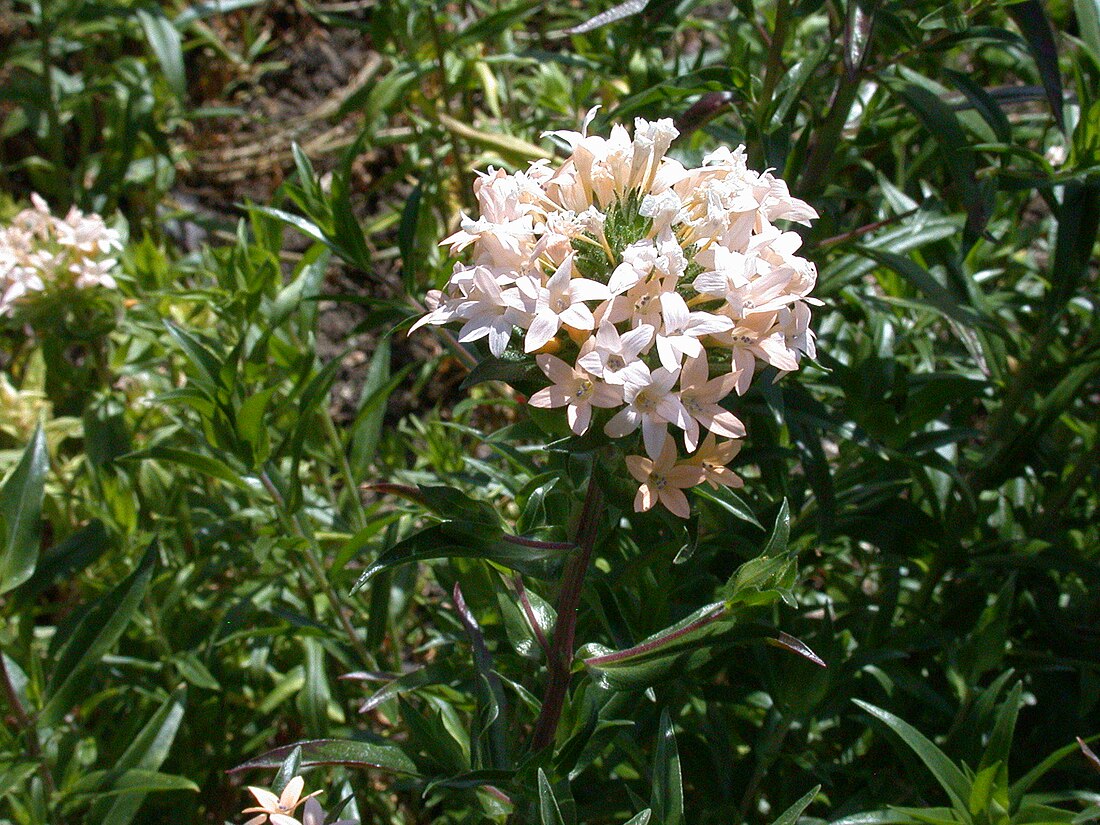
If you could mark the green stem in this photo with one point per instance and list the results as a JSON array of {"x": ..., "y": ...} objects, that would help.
[
  {"x": 560, "y": 659},
  {"x": 774, "y": 66},
  {"x": 457, "y": 158},
  {"x": 53, "y": 120},
  {"x": 828, "y": 136},
  {"x": 359, "y": 513},
  {"x": 313, "y": 559}
]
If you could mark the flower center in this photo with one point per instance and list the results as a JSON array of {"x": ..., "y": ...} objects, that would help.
[
  {"x": 615, "y": 362},
  {"x": 583, "y": 388},
  {"x": 643, "y": 303},
  {"x": 645, "y": 403},
  {"x": 691, "y": 404},
  {"x": 658, "y": 481},
  {"x": 561, "y": 303}
]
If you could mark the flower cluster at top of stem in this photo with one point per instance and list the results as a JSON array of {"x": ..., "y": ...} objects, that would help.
[
  {"x": 40, "y": 253},
  {"x": 662, "y": 286}
]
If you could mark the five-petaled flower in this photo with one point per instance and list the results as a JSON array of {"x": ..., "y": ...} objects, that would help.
[
  {"x": 278, "y": 810},
  {"x": 663, "y": 480},
  {"x": 574, "y": 389}
]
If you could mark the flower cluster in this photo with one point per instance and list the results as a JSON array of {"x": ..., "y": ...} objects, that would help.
[
  {"x": 39, "y": 252},
  {"x": 641, "y": 286}
]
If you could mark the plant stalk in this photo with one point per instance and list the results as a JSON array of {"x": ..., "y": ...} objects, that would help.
[
  {"x": 314, "y": 561},
  {"x": 560, "y": 657}
]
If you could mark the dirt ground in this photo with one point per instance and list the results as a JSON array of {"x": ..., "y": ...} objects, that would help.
[{"x": 291, "y": 95}]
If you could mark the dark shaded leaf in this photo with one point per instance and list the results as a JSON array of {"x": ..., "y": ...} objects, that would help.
[{"x": 349, "y": 752}]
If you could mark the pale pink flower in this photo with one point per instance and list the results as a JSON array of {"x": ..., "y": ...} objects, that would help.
[
  {"x": 650, "y": 404},
  {"x": 491, "y": 312},
  {"x": 575, "y": 390},
  {"x": 561, "y": 301},
  {"x": 713, "y": 456},
  {"x": 682, "y": 330},
  {"x": 700, "y": 398},
  {"x": 278, "y": 810},
  {"x": 607, "y": 353},
  {"x": 664, "y": 480}
]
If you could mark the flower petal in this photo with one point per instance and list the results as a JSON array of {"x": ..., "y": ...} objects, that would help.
[
  {"x": 265, "y": 798},
  {"x": 675, "y": 501},
  {"x": 543, "y": 328},
  {"x": 624, "y": 422}
]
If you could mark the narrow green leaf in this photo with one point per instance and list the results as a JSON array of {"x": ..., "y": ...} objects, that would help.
[
  {"x": 208, "y": 364},
  {"x": 21, "y": 513},
  {"x": 659, "y": 655},
  {"x": 207, "y": 465},
  {"x": 1000, "y": 741},
  {"x": 1034, "y": 24},
  {"x": 147, "y": 751},
  {"x": 1088, "y": 22},
  {"x": 791, "y": 815},
  {"x": 165, "y": 41},
  {"x": 93, "y": 636},
  {"x": 945, "y": 771},
  {"x": 348, "y": 752},
  {"x": 729, "y": 501},
  {"x": 1022, "y": 785},
  {"x": 549, "y": 812},
  {"x": 473, "y": 540},
  {"x": 667, "y": 794}
]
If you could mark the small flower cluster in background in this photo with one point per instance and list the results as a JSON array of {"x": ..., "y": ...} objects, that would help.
[
  {"x": 640, "y": 286},
  {"x": 40, "y": 252}
]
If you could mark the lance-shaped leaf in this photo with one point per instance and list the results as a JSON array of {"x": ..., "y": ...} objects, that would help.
[
  {"x": 667, "y": 795},
  {"x": 657, "y": 656},
  {"x": 791, "y": 815},
  {"x": 949, "y": 776},
  {"x": 471, "y": 540},
  {"x": 93, "y": 636},
  {"x": 349, "y": 752},
  {"x": 21, "y": 514},
  {"x": 146, "y": 752}
]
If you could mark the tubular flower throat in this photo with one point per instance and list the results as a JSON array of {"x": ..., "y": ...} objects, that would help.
[{"x": 663, "y": 287}]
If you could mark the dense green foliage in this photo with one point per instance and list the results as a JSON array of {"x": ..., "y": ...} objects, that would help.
[{"x": 200, "y": 563}]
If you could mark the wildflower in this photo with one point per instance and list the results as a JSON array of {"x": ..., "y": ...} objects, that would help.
[
  {"x": 607, "y": 353},
  {"x": 700, "y": 399},
  {"x": 574, "y": 389},
  {"x": 561, "y": 301},
  {"x": 657, "y": 272},
  {"x": 712, "y": 457},
  {"x": 663, "y": 480},
  {"x": 39, "y": 253},
  {"x": 650, "y": 404},
  {"x": 278, "y": 810}
]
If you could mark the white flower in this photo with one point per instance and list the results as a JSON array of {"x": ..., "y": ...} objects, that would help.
[
  {"x": 574, "y": 389},
  {"x": 683, "y": 329},
  {"x": 551, "y": 242},
  {"x": 40, "y": 253},
  {"x": 700, "y": 398},
  {"x": 561, "y": 301},
  {"x": 492, "y": 312},
  {"x": 607, "y": 353},
  {"x": 650, "y": 404}
]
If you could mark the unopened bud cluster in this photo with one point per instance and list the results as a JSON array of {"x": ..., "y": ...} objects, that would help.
[
  {"x": 641, "y": 286},
  {"x": 42, "y": 253}
]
